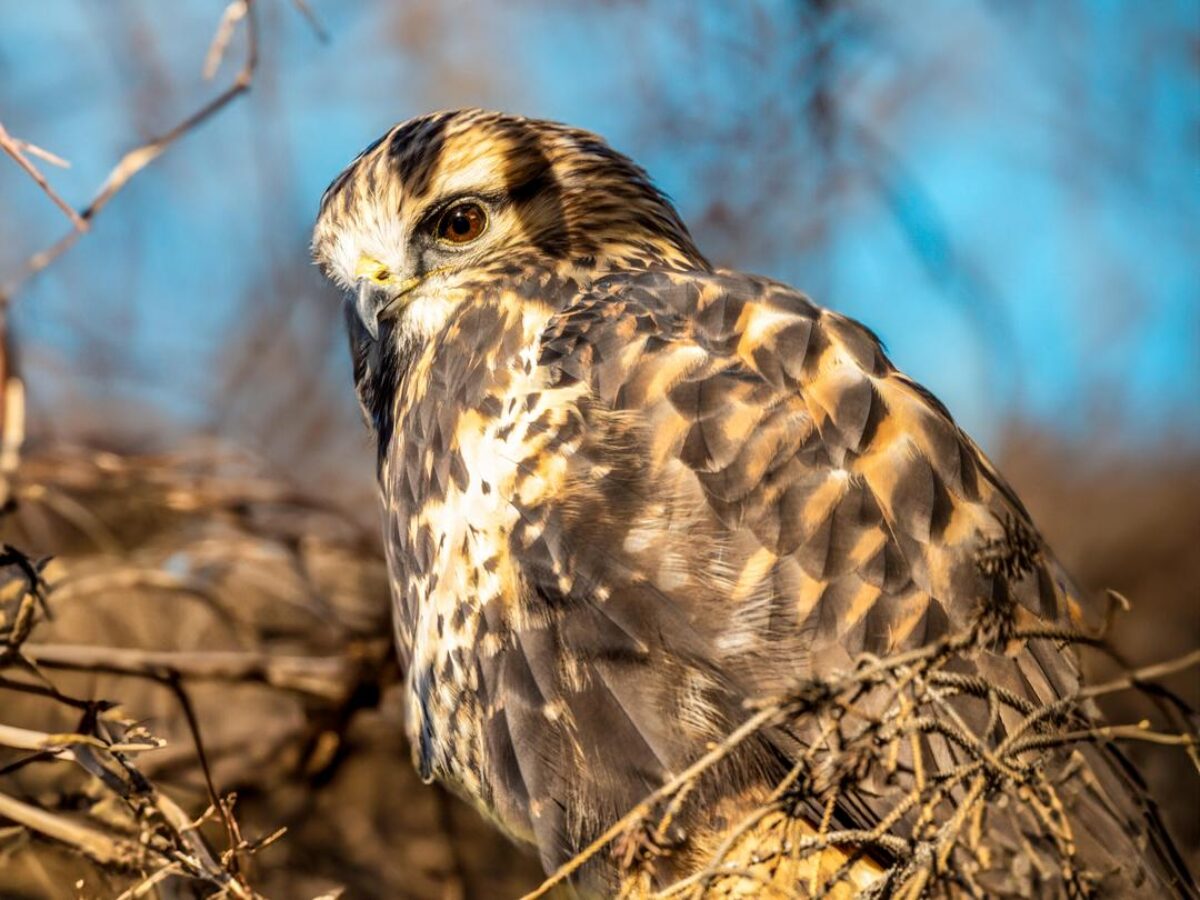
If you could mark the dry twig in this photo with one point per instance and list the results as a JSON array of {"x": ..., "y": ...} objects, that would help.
[
  {"x": 937, "y": 831},
  {"x": 18, "y": 149}
]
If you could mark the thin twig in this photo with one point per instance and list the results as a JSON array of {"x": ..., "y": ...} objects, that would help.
[
  {"x": 1143, "y": 675},
  {"x": 325, "y": 677},
  {"x": 311, "y": 17},
  {"x": 17, "y": 149}
]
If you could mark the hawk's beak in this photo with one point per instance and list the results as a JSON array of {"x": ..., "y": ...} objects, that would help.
[
  {"x": 379, "y": 293},
  {"x": 368, "y": 306}
]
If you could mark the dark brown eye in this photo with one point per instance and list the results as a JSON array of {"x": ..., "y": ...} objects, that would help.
[{"x": 462, "y": 223}]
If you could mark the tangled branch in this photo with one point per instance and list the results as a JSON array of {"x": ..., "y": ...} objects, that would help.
[
  {"x": 218, "y": 535},
  {"x": 879, "y": 726}
]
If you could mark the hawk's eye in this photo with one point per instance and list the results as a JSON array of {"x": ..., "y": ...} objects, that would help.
[{"x": 462, "y": 223}]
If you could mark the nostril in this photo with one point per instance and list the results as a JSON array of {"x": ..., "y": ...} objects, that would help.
[{"x": 372, "y": 270}]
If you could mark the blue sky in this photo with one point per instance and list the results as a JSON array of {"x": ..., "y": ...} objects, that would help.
[{"x": 1013, "y": 205}]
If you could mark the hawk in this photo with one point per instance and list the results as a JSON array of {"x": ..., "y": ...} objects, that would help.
[{"x": 626, "y": 493}]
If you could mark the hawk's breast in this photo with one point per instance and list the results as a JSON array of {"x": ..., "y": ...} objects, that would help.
[{"x": 482, "y": 441}]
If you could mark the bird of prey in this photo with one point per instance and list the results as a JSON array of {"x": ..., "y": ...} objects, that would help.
[{"x": 626, "y": 493}]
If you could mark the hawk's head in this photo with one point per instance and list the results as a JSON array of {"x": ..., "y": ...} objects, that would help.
[{"x": 444, "y": 199}]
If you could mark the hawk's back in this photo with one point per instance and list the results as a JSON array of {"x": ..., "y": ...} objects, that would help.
[{"x": 620, "y": 510}]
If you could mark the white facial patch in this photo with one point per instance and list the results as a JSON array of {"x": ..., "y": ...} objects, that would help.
[
  {"x": 372, "y": 234},
  {"x": 425, "y": 314}
]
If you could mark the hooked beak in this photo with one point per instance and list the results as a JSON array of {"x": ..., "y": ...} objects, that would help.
[
  {"x": 369, "y": 304},
  {"x": 379, "y": 293}
]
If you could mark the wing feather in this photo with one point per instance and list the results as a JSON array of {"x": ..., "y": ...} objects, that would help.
[{"x": 759, "y": 497}]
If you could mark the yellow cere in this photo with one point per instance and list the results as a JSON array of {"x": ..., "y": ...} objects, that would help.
[
  {"x": 381, "y": 275},
  {"x": 374, "y": 270}
]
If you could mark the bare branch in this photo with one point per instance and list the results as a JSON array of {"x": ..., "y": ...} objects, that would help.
[
  {"x": 17, "y": 149},
  {"x": 41, "y": 153},
  {"x": 60, "y": 744},
  {"x": 1144, "y": 675},
  {"x": 101, "y": 847},
  {"x": 324, "y": 677},
  {"x": 306, "y": 10},
  {"x": 234, "y": 13}
]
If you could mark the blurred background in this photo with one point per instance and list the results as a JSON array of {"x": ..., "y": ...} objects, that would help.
[{"x": 1006, "y": 192}]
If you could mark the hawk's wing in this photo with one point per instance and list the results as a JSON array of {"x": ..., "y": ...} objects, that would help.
[{"x": 757, "y": 496}]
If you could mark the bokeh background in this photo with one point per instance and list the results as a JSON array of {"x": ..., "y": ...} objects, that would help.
[{"x": 1007, "y": 192}]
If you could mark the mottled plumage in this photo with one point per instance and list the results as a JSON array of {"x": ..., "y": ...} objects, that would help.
[{"x": 625, "y": 492}]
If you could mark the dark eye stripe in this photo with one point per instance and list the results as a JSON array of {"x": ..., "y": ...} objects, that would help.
[{"x": 415, "y": 150}]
